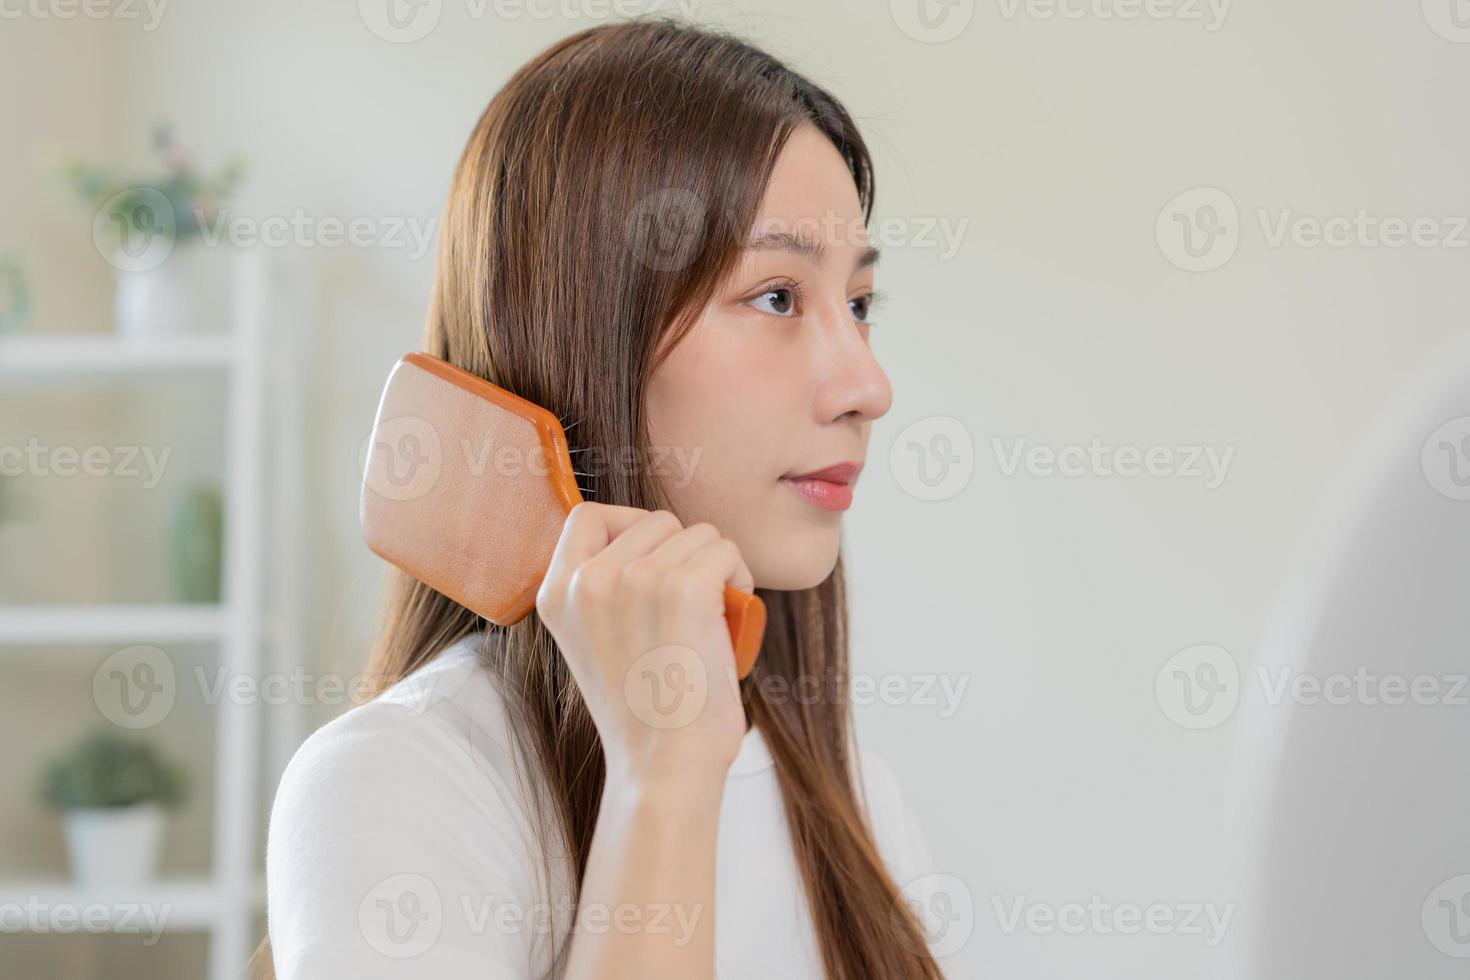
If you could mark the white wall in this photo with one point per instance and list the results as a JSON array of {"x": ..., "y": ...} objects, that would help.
[{"x": 1059, "y": 319}]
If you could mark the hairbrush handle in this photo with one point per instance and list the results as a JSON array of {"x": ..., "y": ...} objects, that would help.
[{"x": 745, "y": 615}]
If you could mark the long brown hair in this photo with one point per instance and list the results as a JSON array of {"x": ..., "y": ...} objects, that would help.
[{"x": 601, "y": 200}]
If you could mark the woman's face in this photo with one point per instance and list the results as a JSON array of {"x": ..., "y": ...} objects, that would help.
[{"x": 777, "y": 379}]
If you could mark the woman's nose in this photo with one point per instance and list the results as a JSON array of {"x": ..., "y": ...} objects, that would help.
[{"x": 852, "y": 381}]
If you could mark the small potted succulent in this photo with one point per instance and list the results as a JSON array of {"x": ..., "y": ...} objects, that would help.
[
  {"x": 112, "y": 791},
  {"x": 138, "y": 221}
]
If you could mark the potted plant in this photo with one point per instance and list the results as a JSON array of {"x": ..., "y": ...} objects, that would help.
[
  {"x": 197, "y": 536},
  {"x": 15, "y": 296},
  {"x": 112, "y": 791},
  {"x": 138, "y": 223}
]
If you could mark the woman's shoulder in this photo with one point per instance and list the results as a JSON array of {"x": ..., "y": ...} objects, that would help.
[
  {"x": 430, "y": 759},
  {"x": 408, "y": 800},
  {"x": 429, "y": 726}
]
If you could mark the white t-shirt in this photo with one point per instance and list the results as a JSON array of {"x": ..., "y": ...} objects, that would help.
[{"x": 401, "y": 846}]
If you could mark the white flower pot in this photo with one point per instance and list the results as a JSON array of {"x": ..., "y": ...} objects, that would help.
[
  {"x": 153, "y": 301},
  {"x": 114, "y": 845}
]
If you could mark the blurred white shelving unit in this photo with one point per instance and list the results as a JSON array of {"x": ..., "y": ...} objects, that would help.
[
  {"x": 68, "y": 357},
  {"x": 181, "y": 904},
  {"x": 112, "y": 624},
  {"x": 225, "y": 903}
]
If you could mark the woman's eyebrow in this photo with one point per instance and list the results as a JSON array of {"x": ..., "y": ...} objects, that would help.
[{"x": 810, "y": 249}]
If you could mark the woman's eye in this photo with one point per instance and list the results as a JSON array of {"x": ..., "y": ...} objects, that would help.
[
  {"x": 778, "y": 300},
  {"x": 863, "y": 306}
]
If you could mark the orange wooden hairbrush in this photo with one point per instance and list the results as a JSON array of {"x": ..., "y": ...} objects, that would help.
[{"x": 467, "y": 487}]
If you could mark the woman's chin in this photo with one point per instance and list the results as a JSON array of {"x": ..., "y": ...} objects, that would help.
[{"x": 801, "y": 558}]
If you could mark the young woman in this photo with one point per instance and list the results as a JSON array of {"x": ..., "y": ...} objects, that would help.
[{"x": 656, "y": 232}]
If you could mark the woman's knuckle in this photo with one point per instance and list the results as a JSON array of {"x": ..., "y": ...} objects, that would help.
[
  {"x": 639, "y": 573},
  {"x": 581, "y": 512},
  {"x": 683, "y": 590},
  {"x": 590, "y": 583}
]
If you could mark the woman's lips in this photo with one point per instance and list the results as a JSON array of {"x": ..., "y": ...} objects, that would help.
[
  {"x": 828, "y": 496},
  {"x": 829, "y": 488}
]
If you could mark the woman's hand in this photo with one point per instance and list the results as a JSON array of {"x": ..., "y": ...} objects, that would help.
[{"x": 635, "y": 600}]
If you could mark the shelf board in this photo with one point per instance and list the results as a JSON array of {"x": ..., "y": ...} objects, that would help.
[
  {"x": 61, "y": 355},
  {"x": 110, "y": 624},
  {"x": 169, "y": 905}
]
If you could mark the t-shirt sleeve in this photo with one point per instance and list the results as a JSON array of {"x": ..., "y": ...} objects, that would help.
[{"x": 394, "y": 851}]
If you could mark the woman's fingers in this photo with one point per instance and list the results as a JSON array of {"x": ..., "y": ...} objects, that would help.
[
  {"x": 679, "y": 548},
  {"x": 647, "y": 534},
  {"x": 589, "y": 529},
  {"x": 717, "y": 564}
]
